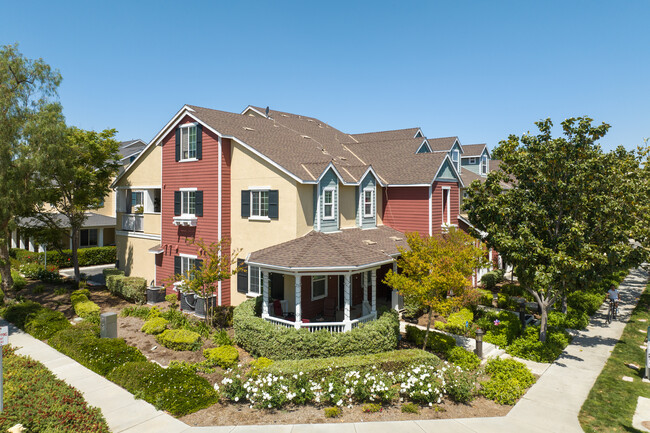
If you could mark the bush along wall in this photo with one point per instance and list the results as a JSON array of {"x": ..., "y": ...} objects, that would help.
[
  {"x": 63, "y": 259},
  {"x": 261, "y": 338},
  {"x": 132, "y": 289}
]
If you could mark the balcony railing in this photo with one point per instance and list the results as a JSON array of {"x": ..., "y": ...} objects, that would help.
[
  {"x": 332, "y": 327},
  {"x": 133, "y": 222}
]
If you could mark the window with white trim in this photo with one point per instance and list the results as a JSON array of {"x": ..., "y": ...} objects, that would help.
[
  {"x": 472, "y": 161},
  {"x": 328, "y": 203},
  {"x": 455, "y": 158},
  {"x": 260, "y": 204},
  {"x": 484, "y": 164},
  {"x": 254, "y": 281},
  {"x": 446, "y": 208},
  {"x": 318, "y": 287},
  {"x": 188, "y": 202},
  {"x": 187, "y": 264},
  {"x": 188, "y": 142},
  {"x": 137, "y": 201},
  {"x": 368, "y": 203}
]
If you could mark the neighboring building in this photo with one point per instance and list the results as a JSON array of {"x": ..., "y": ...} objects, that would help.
[
  {"x": 317, "y": 213},
  {"x": 99, "y": 228}
]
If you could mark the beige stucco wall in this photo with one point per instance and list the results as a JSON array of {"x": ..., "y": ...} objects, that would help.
[
  {"x": 146, "y": 171},
  {"x": 380, "y": 203},
  {"x": 109, "y": 205},
  {"x": 248, "y": 170},
  {"x": 304, "y": 209},
  {"x": 134, "y": 257},
  {"x": 347, "y": 206}
]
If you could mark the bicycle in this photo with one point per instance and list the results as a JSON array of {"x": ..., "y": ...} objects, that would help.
[{"x": 611, "y": 313}]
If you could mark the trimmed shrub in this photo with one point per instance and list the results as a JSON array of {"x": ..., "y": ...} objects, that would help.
[
  {"x": 154, "y": 326},
  {"x": 34, "y": 397},
  {"x": 132, "y": 289},
  {"x": 576, "y": 319},
  {"x": 221, "y": 338},
  {"x": 371, "y": 408},
  {"x": 410, "y": 408},
  {"x": 86, "y": 256},
  {"x": 509, "y": 380},
  {"x": 396, "y": 360},
  {"x": 175, "y": 390},
  {"x": 19, "y": 312},
  {"x": 491, "y": 279},
  {"x": 45, "y": 323},
  {"x": 180, "y": 339},
  {"x": 223, "y": 356},
  {"x": 258, "y": 365},
  {"x": 261, "y": 338},
  {"x": 457, "y": 323},
  {"x": 112, "y": 271},
  {"x": 332, "y": 412},
  {"x": 528, "y": 345},
  {"x": 173, "y": 301},
  {"x": 500, "y": 328},
  {"x": 83, "y": 307},
  {"x": 101, "y": 355},
  {"x": 463, "y": 358},
  {"x": 437, "y": 342},
  {"x": 585, "y": 301}
]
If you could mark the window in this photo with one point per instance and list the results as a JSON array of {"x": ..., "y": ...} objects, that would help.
[
  {"x": 187, "y": 264},
  {"x": 260, "y": 204},
  {"x": 368, "y": 203},
  {"x": 472, "y": 161},
  {"x": 188, "y": 202},
  {"x": 328, "y": 204},
  {"x": 137, "y": 201},
  {"x": 88, "y": 238},
  {"x": 446, "y": 208},
  {"x": 455, "y": 158},
  {"x": 188, "y": 142},
  {"x": 156, "y": 200},
  {"x": 484, "y": 164},
  {"x": 318, "y": 287},
  {"x": 255, "y": 280}
]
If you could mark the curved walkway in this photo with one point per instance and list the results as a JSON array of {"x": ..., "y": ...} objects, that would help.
[{"x": 551, "y": 405}]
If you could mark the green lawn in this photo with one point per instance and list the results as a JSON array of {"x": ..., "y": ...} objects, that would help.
[{"x": 611, "y": 402}]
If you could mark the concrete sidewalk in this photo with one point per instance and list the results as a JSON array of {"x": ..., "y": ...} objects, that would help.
[{"x": 551, "y": 405}]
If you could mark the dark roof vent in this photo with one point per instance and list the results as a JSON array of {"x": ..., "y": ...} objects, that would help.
[{"x": 267, "y": 111}]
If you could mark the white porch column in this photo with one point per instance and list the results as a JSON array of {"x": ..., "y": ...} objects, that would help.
[
  {"x": 394, "y": 298},
  {"x": 491, "y": 265},
  {"x": 346, "y": 298},
  {"x": 298, "y": 289},
  {"x": 364, "y": 284},
  {"x": 13, "y": 239},
  {"x": 265, "y": 293},
  {"x": 100, "y": 237},
  {"x": 21, "y": 241},
  {"x": 373, "y": 283},
  {"x": 31, "y": 244}
]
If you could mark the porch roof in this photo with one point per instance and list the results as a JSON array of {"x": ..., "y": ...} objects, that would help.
[
  {"x": 346, "y": 250},
  {"x": 92, "y": 220}
]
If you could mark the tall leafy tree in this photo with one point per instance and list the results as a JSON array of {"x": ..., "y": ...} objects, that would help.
[
  {"x": 27, "y": 106},
  {"x": 435, "y": 271},
  {"x": 76, "y": 184},
  {"x": 560, "y": 210}
]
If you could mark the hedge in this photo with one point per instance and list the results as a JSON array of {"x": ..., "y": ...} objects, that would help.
[
  {"x": 508, "y": 380},
  {"x": 132, "y": 289},
  {"x": 86, "y": 256},
  {"x": 437, "y": 342},
  {"x": 175, "y": 390},
  {"x": 45, "y": 323},
  {"x": 83, "y": 307},
  {"x": 34, "y": 397},
  {"x": 18, "y": 313},
  {"x": 101, "y": 355},
  {"x": 262, "y": 338},
  {"x": 396, "y": 360}
]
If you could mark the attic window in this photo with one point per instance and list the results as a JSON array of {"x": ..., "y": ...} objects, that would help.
[
  {"x": 251, "y": 114},
  {"x": 369, "y": 242},
  {"x": 248, "y": 129}
]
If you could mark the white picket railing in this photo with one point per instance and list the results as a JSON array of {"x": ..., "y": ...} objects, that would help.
[{"x": 332, "y": 327}]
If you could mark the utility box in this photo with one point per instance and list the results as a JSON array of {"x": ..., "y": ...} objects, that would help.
[{"x": 108, "y": 325}]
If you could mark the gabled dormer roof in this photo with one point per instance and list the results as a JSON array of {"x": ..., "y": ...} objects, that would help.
[
  {"x": 443, "y": 144},
  {"x": 396, "y": 134},
  {"x": 475, "y": 150}
]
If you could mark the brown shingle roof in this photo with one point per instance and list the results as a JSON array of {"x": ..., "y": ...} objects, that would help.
[
  {"x": 396, "y": 134},
  {"x": 442, "y": 144},
  {"x": 347, "y": 249},
  {"x": 473, "y": 150},
  {"x": 469, "y": 177}
]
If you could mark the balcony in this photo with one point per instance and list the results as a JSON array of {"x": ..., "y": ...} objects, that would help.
[{"x": 133, "y": 222}]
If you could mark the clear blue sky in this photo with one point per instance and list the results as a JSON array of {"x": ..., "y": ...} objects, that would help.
[{"x": 480, "y": 70}]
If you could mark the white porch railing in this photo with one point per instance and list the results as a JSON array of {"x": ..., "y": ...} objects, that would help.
[
  {"x": 133, "y": 222},
  {"x": 332, "y": 327}
]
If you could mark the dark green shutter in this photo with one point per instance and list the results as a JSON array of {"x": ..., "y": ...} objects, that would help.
[
  {"x": 245, "y": 203},
  {"x": 273, "y": 204},
  {"x": 178, "y": 144},
  {"x": 199, "y": 141},
  {"x": 242, "y": 276},
  {"x": 198, "y": 204},
  {"x": 177, "y": 265},
  {"x": 177, "y": 203}
]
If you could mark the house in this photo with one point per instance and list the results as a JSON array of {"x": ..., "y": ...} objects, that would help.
[
  {"x": 318, "y": 214},
  {"x": 99, "y": 227}
]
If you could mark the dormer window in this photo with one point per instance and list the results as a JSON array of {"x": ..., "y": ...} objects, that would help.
[
  {"x": 328, "y": 203},
  {"x": 455, "y": 157},
  {"x": 368, "y": 202},
  {"x": 484, "y": 165}
]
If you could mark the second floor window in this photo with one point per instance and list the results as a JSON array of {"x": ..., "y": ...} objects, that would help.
[
  {"x": 368, "y": 203},
  {"x": 188, "y": 142},
  {"x": 446, "y": 208},
  {"x": 259, "y": 203},
  {"x": 188, "y": 202},
  {"x": 328, "y": 204},
  {"x": 484, "y": 164},
  {"x": 137, "y": 201},
  {"x": 455, "y": 158}
]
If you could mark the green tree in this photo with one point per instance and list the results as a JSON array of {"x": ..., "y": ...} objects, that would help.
[
  {"x": 216, "y": 265},
  {"x": 435, "y": 271},
  {"x": 27, "y": 89},
  {"x": 76, "y": 184},
  {"x": 560, "y": 210}
]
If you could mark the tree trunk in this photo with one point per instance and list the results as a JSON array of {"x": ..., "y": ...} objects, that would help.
[
  {"x": 5, "y": 263},
  {"x": 426, "y": 334},
  {"x": 75, "y": 256},
  {"x": 544, "y": 320},
  {"x": 564, "y": 303}
]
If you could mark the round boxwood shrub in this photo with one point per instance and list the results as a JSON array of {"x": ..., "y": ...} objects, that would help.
[
  {"x": 45, "y": 323},
  {"x": 154, "y": 326},
  {"x": 463, "y": 358},
  {"x": 509, "y": 380},
  {"x": 223, "y": 356},
  {"x": 528, "y": 345},
  {"x": 175, "y": 390},
  {"x": 18, "y": 313},
  {"x": 180, "y": 339}
]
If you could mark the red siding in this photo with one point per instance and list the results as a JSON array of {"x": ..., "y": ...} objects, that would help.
[
  {"x": 437, "y": 204},
  {"x": 407, "y": 209},
  {"x": 203, "y": 175}
]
